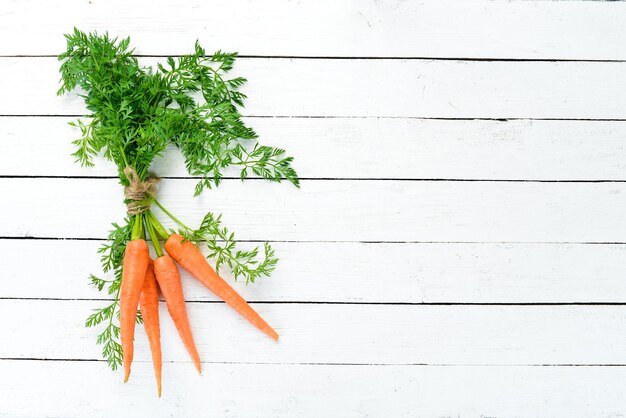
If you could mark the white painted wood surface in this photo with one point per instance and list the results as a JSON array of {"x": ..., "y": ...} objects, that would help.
[
  {"x": 363, "y": 272},
  {"x": 348, "y": 210},
  {"x": 457, "y": 247},
  {"x": 268, "y": 390},
  {"x": 370, "y": 88},
  {"x": 342, "y": 334},
  {"x": 370, "y": 28},
  {"x": 409, "y": 148}
]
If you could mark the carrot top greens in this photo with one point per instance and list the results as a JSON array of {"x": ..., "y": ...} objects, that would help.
[{"x": 135, "y": 113}]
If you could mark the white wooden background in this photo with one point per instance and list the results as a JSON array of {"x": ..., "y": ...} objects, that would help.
[{"x": 456, "y": 250}]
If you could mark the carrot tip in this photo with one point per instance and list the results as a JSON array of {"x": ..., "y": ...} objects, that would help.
[{"x": 126, "y": 378}]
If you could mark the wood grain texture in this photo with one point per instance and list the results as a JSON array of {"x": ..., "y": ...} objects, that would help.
[
  {"x": 335, "y": 211},
  {"x": 401, "y": 291},
  {"x": 474, "y": 29},
  {"x": 420, "y": 88},
  {"x": 359, "y": 273},
  {"x": 339, "y": 334},
  {"x": 229, "y": 390},
  {"x": 369, "y": 148}
]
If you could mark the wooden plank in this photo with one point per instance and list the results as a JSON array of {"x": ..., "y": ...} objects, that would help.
[
  {"x": 255, "y": 390},
  {"x": 421, "y": 88},
  {"x": 369, "y": 148},
  {"x": 478, "y": 29},
  {"x": 335, "y": 210},
  {"x": 357, "y": 272},
  {"x": 321, "y": 333}
]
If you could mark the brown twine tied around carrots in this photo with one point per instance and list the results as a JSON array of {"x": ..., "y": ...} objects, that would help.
[{"x": 138, "y": 194}]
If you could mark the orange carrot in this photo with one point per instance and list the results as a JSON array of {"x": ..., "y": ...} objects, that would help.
[
  {"x": 192, "y": 260},
  {"x": 136, "y": 260},
  {"x": 149, "y": 305},
  {"x": 169, "y": 281}
]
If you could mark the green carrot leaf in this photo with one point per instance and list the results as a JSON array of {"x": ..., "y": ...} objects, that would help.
[{"x": 134, "y": 113}]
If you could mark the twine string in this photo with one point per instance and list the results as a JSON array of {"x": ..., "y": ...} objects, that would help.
[{"x": 139, "y": 194}]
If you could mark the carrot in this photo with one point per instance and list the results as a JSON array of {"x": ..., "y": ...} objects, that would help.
[
  {"x": 192, "y": 260},
  {"x": 116, "y": 81},
  {"x": 149, "y": 305},
  {"x": 169, "y": 281},
  {"x": 136, "y": 260}
]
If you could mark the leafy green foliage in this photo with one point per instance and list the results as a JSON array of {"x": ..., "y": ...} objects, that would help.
[
  {"x": 222, "y": 246},
  {"x": 112, "y": 259},
  {"x": 267, "y": 162},
  {"x": 136, "y": 113},
  {"x": 188, "y": 102}
]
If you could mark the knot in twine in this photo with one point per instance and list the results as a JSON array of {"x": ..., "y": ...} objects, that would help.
[{"x": 139, "y": 194}]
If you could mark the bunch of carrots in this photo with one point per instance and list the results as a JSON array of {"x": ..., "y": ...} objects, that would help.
[
  {"x": 142, "y": 277},
  {"x": 135, "y": 113}
]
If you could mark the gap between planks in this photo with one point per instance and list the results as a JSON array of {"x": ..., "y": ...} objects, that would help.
[
  {"x": 434, "y": 180},
  {"x": 43, "y": 238},
  {"x": 244, "y": 363},
  {"x": 303, "y": 302},
  {"x": 442, "y": 118},
  {"x": 359, "y": 58}
]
